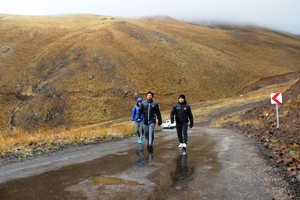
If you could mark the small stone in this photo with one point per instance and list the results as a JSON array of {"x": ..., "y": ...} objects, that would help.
[
  {"x": 290, "y": 169},
  {"x": 298, "y": 177},
  {"x": 279, "y": 161},
  {"x": 288, "y": 161}
]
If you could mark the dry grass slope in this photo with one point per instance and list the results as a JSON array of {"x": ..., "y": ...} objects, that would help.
[{"x": 84, "y": 69}]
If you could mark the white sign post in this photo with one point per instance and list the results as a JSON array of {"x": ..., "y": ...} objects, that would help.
[{"x": 276, "y": 98}]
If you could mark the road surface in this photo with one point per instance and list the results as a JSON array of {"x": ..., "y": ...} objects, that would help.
[{"x": 220, "y": 164}]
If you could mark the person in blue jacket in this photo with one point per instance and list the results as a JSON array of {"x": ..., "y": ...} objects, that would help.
[{"x": 139, "y": 130}]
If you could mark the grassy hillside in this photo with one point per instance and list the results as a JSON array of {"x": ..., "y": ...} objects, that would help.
[{"x": 85, "y": 69}]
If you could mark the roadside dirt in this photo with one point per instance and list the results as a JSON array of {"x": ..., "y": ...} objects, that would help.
[
  {"x": 260, "y": 124},
  {"x": 284, "y": 141}
]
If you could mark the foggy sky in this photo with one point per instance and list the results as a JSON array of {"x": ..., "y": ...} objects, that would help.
[{"x": 282, "y": 15}]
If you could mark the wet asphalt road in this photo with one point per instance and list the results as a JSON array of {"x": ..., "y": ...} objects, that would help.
[{"x": 220, "y": 164}]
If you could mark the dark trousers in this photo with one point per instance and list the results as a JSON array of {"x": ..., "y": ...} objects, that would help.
[{"x": 182, "y": 132}]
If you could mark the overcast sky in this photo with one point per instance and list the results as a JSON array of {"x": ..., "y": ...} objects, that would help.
[{"x": 283, "y": 15}]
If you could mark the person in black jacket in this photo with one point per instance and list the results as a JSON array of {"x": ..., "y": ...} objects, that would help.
[
  {"x": 150, "y": 109},
  {"x": 183, "y": 114}
]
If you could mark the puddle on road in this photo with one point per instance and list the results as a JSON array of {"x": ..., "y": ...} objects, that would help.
[
  {"x": 131, "y": 174},
  {"x": 101, "y": 180}
]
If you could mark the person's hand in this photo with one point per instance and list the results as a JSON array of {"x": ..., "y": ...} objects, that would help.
[
  {"x": 191, "y": 125},
  {"x": 159, "y": 123},
  {"x": 139, "y": 120}
]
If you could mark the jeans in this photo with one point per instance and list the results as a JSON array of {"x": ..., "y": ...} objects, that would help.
[
  {"x": 139, "y": 128},
  {"x": 182, "y": 132},
  {"x": 149, "y": 133}
]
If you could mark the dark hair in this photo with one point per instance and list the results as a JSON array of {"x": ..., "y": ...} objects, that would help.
[
  {"x": 152, "y": 94},
  {"x": 181, "y": 96}
]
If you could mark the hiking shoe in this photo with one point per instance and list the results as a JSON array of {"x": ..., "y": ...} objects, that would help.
[
  {"x": 180, "y": 145},
  {"x": 184, "y": 145},
  {"x": 150, "y": 148}
]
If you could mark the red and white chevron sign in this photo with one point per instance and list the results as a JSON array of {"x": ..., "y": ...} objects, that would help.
[{"x": 276, "y": 98}]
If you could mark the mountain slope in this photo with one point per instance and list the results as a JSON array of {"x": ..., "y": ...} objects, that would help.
[{"x": 84, "y": 69}]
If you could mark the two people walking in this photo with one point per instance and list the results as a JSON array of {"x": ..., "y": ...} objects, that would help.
[
  {"x": 147, "y": 113},
  {"x": 150, "y": 110}
]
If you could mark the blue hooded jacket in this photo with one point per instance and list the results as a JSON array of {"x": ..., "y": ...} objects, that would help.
[{"x": 134, "y": 116}]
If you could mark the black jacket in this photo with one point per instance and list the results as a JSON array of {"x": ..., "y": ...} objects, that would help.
[
  {"x": 183, "y": 113},
  {"x": 150, "y": 109}
]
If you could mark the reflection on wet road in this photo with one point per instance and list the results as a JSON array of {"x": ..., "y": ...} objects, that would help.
[
  {"x": 206, "y": 170},
  {"x": 182, "y": 171},
  {"x": 123, "y": 175}
]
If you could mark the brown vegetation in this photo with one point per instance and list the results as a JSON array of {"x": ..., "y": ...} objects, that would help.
[
  {"x": 71, "y": 71},
  {"x": 17, "y": 145}
]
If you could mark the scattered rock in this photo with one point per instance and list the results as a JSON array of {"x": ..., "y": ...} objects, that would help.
[
  {"x": 298, "y": 177},
  {"x": 5, "y": 49}
]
